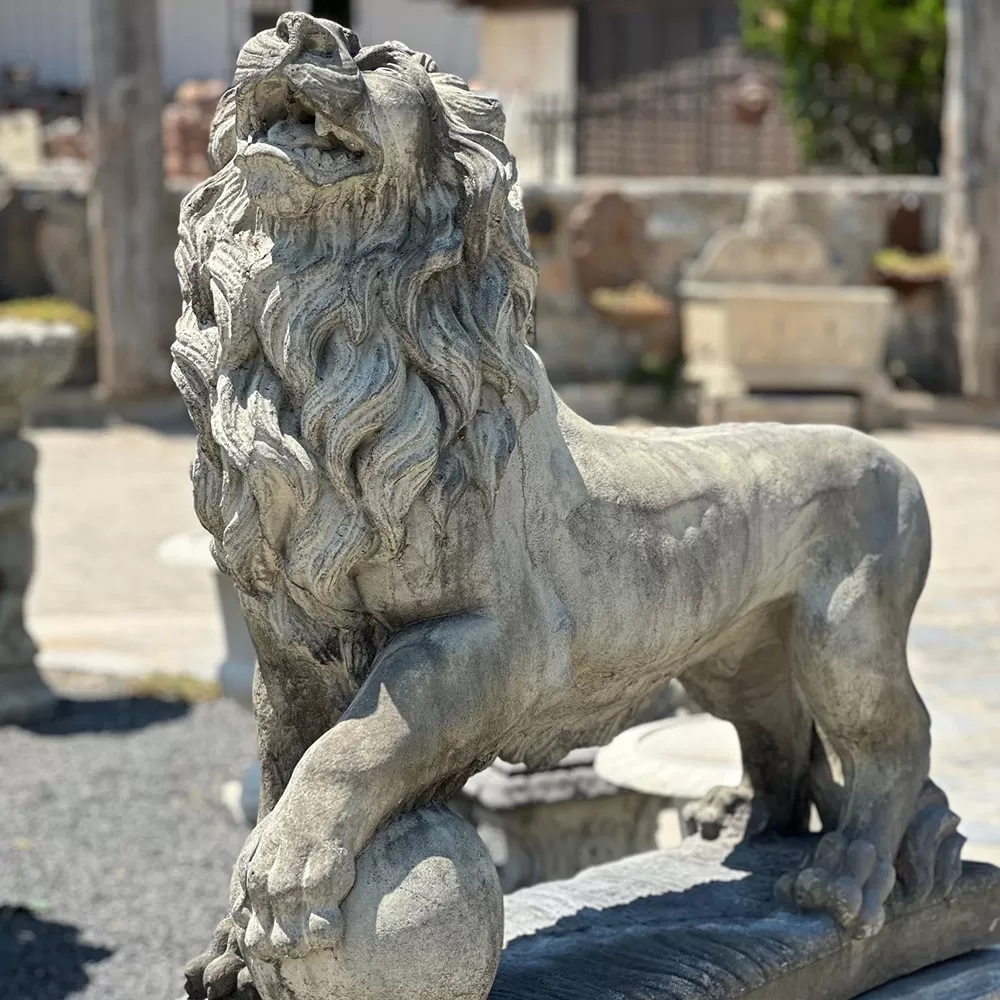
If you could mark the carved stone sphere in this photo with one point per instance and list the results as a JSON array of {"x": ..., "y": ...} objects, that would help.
[{"x": 424, "y": 921}]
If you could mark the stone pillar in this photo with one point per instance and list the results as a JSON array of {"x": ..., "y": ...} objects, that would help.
[
  {"x": 33, "y": 357},
  {"x": 128, "y": 225},
  {"x": 971, "y": 163}
]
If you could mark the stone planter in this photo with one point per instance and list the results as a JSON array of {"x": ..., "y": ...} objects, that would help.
[
  {"x": 764, "y": 337},
  {"x": 33, "y": 357},
  {"x": 765, "y": 311}
]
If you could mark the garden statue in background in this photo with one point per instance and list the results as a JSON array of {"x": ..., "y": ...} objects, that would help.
[{"x": 441, "y": 564}]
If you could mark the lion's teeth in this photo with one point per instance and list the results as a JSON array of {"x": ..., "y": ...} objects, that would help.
[
  {"x": 326, "y": 128},
  {"x": 350, "y": 142}
]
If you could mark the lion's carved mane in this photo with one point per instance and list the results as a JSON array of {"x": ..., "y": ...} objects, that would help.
[{"x": 340, "y": 367}]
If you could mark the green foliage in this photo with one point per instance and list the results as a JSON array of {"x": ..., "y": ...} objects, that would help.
[
  {"x": 665, "y": 375},
  {"x": 863, "y": 78}
]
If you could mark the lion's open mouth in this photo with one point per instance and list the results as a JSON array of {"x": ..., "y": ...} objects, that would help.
[{"x": 285, "y": 124}]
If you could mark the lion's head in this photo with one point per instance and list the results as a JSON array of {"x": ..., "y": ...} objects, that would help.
[{"x": 357, "y": 288}]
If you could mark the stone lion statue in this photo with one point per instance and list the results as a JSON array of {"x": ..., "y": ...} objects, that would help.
[{"x": 441, "y": 564}]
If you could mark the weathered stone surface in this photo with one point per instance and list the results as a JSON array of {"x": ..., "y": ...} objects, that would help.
[
  {"x": 787, "y": 338},
  {"x": 762, "y": 407},
  {"x": 441, "y": 564},
  {"x": 699, "y": 921},
  {"x": 63, "y": 248},
  {"x": 971, "y": 977},
  {"x": 971, "y": 167},
  {"x": 608, "y": 233},
  {"x": 610, "y": 250},
  {"x": 126, "y": 210},
  {"x": 23, "y": 275},
  {"x": 683, "y": 214},
  {"x": 503, "y": 786},
  {"x": 423, "y": 922},
  {"x": 33, "y": 356}
]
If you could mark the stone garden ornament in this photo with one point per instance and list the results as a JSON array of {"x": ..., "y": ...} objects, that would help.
[{"x": 441, "y": 564}]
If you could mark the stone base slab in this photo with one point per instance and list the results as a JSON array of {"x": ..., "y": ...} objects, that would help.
[
  {"x": 971, "y": 977},
  {"x": 699, "y": 921}
]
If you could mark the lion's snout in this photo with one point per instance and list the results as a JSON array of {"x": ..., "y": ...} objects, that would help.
[
  {"x": 304, "y": 33},
  {"x": 309, "y": 55}
]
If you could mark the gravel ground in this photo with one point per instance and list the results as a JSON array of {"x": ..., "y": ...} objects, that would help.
[{"x": 115, "y": 851}]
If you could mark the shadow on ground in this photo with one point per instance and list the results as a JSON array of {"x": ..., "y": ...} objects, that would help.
[
  {"x": 41, "y": 959},
  {"x": 108, "y": 715}
]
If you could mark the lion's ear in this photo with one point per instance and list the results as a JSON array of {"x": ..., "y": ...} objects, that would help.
[
  {"x": 222, "y": 136},
  {"x": 375, "y": 56}
]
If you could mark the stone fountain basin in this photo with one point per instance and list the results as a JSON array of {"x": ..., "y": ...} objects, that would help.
[
  {"x": 823, "y": 338},
  {"x": 34, "y": 356}
]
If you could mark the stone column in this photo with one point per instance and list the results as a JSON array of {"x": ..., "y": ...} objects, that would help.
[
  {"x": 33, "y": 357},
  {"x": 128, "y": 223},
  {"x": 971, "y": 163}
]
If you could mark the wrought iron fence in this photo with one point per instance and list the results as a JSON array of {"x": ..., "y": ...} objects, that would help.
[{"x": 724, "y": 115}]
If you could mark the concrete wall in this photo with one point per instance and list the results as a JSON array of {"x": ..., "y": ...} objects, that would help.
[
  {"x": 199, "y": 39},
  {"x": 529, "y": 56},
  {"x": 43, "y": 238},
  {"x": 449, "y": 33},
  {"x": 51, "y": 35},
  {"x": 531, "y": 53}
]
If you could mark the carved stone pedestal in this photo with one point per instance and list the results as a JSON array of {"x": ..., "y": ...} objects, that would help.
[
  {"x": 33, "y": 357},
  {"x": 700, "y": 921},
  {"x": 545, "y": 825},
  {"x": 678, "y": 760}
]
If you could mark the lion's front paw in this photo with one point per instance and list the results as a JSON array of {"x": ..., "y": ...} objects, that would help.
[
  {"x": 289, "y": 881},
  {"x": 219, "y": 971},
  {"x": 845, "y": 879}
]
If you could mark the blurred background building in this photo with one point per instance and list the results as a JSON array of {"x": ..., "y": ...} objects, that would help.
[{"x": 694, "y": 101}]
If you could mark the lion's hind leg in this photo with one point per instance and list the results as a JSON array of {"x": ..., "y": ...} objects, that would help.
[
  {"x": 848, "y": 653},
  {"x": 775, "y": 733}
]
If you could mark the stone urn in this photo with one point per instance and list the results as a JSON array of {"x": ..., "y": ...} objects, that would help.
[{"x": 33, "y": 357}]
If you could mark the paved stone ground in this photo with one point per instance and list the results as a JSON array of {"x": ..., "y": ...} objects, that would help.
[
  {"x": 111, "y": 832},
  {"x": 101, "y": 600},
  {"x": 955, "y": 640}
]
